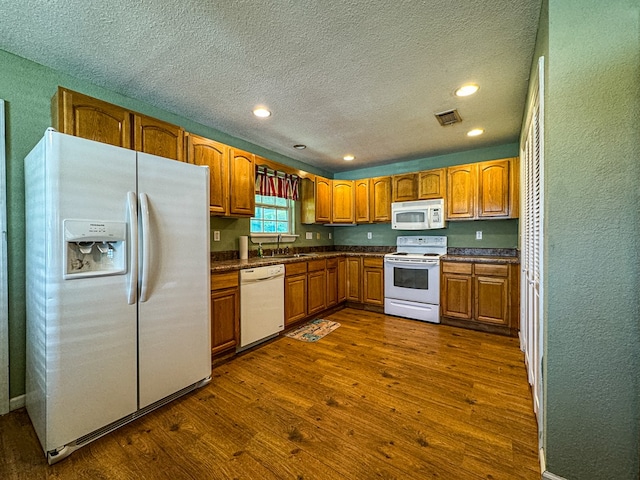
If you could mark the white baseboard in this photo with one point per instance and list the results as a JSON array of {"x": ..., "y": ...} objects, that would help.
[
  {"x": 551, "y": 476},
  {"x": 16, "y": 402}
]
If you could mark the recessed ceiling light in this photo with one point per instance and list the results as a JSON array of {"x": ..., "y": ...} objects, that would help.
[
  {"x": 261, "y": 112},
  {"x": 348, "y": 158},
  {"x": 299, "y": 146},
  {"x": 467, "y": 90},
  {"x": 475, "y": 132}
]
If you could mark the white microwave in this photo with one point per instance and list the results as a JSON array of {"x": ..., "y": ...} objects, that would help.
[{"x": 418, "y": 215}]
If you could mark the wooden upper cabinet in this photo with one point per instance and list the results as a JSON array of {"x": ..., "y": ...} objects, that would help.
[
  {"x": 343, "y": 201},
  {"x": 493, "y": 188},
  {"x": 202, "y": 151},
  {"x": 483, "y": 190},
  {"x": 461, "y": 191},
  {"x": 242, "y": 183},
  {"x": 323, "y": 194},
  {"x": 156, "y": 137},
  {"x": 432, "y": 183},
  {"x": 404, "y": 187},
  {"x": 362, "y": 200},
  {"x": 87, "y": 117},
  {"x": 380, "y": 199}
]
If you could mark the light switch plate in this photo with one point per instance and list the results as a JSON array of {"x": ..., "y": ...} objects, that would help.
[
  {"x": 216, "y": 235},
  {"x": 479, "y": 235},
  {"x": 308, "y": 235},
  {"x": 369, "y": 235}
]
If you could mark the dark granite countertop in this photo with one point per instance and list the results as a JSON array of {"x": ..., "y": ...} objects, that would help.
[
  {"x": 221, "y": 266},
  {"x": 482, "y": 255}
]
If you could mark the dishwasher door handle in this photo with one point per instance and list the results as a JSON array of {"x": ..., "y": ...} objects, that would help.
[{"x": 255, "y": 280}]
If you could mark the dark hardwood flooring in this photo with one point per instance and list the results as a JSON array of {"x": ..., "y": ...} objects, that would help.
[{"x": 380, "y": 397}]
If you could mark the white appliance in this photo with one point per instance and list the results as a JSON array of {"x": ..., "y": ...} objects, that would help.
[
  {"x": 418, "y": 215},
  {"x": 118, "y": 287},
  {"x": 412, "y": 278},
  {"x": 261, "y": 304}
]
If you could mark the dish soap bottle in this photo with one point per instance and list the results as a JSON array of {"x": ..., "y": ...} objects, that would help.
[{"x": 260, "y": 252}]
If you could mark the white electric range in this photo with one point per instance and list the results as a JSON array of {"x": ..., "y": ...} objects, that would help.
[{"x": 412, "y": 278}]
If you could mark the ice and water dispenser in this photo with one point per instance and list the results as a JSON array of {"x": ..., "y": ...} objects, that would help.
[{"x": 94, "y": 248}]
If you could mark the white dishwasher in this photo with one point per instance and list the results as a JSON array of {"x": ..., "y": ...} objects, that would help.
[{"x": 261, "y": 304}]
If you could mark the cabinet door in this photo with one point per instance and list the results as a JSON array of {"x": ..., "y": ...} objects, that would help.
[
  {"x": 295, "y": 298},
  {"x": 224, "y": 319},
  {"x": 342, "y": 280},
  {"x": 323, "y": 190},
  {"x": 354, "y": 290},
  {"x": 491, "y": 300},
  {"x": 316, "y": 291},
  {"x": 456, "y": 296},
  {"x": 242, "y": 183},
  {"x": 380, "y": 197},
  {"x": 158, "y": 138},
  {"x": 76, "y": 114},
  {"x": 362, "y": 200},
  {"x": 404, "y": 187},
  {"x": 493, "y": 188},
  {"x": 332, "y": 282},
  {"x": 202, "y": 151},
  {"x": 343, "y": 201},
  {"x": 461, "y": 192},
  {"x": 432, "y": 184},
  {"x": 372, "y": 281}
]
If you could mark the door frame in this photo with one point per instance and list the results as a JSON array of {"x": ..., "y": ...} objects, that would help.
[{"x": 4, "y": 295}]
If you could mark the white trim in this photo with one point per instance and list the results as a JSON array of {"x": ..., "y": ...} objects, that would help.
[
  {"x": 17, "y": 402},
  {"x": 4, "y": 296},
  {"x": 551, "y": 476}
]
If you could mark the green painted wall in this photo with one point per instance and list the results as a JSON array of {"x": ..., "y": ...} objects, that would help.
[
  {"x": 495, "y": 234},
  {"x": 27, "y": 88},
  {"x": 592, "y": 223}
]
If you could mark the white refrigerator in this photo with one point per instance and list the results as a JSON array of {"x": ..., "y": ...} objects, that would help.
[{"x": 118, "y": 287}]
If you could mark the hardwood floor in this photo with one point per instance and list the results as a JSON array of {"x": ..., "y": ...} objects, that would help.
[{"x": 380, "y": 397}]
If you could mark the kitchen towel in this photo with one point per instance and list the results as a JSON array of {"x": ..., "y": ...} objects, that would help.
[{"x": 244, "y": 247}]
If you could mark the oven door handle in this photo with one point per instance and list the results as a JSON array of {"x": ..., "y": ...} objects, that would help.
[{"x": 409, "y": 262}]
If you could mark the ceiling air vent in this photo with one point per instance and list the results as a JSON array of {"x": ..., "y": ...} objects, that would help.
[{"x": 449, "y": 117}]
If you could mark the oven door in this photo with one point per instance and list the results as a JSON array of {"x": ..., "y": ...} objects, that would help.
[{"x": 412, "y": 281}]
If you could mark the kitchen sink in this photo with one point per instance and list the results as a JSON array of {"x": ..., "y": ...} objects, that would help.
[{"x": 294, "y": 255}]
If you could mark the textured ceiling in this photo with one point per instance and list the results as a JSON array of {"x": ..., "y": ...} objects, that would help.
[{"x": 361, "y": 76}]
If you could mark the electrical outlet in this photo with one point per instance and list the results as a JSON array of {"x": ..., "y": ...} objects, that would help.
[
  {"x": 479, "y": 235},
  {"x": 216, "y": 235},
  {"x": 330, "y": 235},
  {"x": 369, "y": 235},
  {"x": 318, "y": 235},
  {"x": 308, "y": 235}
]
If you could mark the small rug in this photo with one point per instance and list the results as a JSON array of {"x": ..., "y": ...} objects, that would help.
[{"x": 313, "y": 331}]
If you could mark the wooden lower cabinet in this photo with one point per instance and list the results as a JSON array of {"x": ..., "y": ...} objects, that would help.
[
  {"x": 482, "y": 296},
  {"x": 316, "y": 286},
  {"x": 225, "y": 312},
  {"x": 354, "y": 289},
  {"x": 295, "y": 292},
  {"x": 332, "y": 282},
  {"x": 373, "y": 281},
  {"x": 342, "y": 279}
]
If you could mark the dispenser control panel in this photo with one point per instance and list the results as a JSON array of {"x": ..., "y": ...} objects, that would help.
[{"x": 94, "y": 248}]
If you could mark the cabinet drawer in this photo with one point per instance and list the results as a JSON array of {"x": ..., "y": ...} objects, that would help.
[
  {"x": 314, "y": 265},
  {"x": 295, "y": 268},
  {"x": 332, "y": 262},
  {"x": 372, "y": 262},
  {"x": 491, "y": 269},
  {"x": 220, "y": 281},
  {"x": 457, "y": 267}
]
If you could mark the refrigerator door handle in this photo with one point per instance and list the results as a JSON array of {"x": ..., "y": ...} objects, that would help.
[
  {"x": 133, "y": 248},
  {"x": 144, "y": 210}
]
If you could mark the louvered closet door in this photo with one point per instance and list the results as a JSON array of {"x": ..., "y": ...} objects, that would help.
[{"x": 531, "y": 244}]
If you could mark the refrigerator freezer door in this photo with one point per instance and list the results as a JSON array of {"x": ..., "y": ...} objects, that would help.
[
  {"x": 81, "y": 361},
  {"x": 174, "y": 318}
]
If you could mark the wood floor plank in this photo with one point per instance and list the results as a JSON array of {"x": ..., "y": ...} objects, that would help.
[{"x": 380, "y": 397}]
